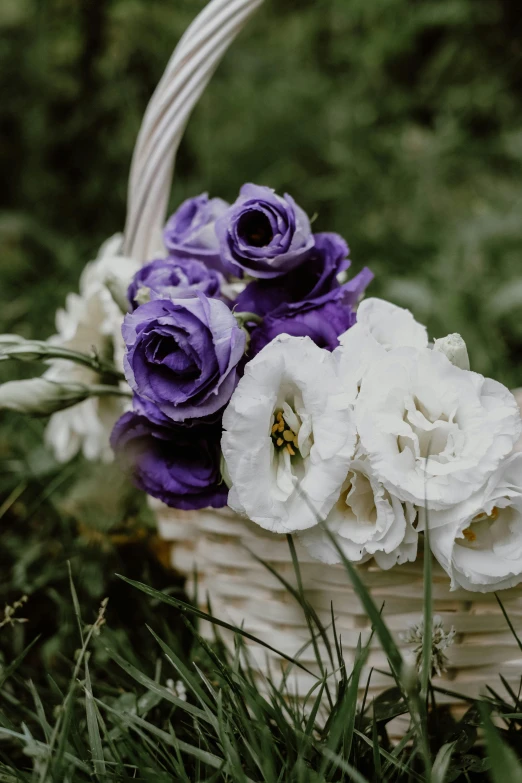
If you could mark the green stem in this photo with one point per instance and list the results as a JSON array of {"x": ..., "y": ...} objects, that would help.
[
  {"x": 244, "y": 318},
  {"x": 101, "y": 390}
]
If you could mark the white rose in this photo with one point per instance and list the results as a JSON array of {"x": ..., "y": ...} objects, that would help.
[
  {"x": 91, "y": 320},
  {"x": 479, "y": 542},
  {"x": 434, "y": 433},
  {"x": 289, "y": 436},
  {"x": 366, "y": 521},
  {"x": 381, "y": 326}
]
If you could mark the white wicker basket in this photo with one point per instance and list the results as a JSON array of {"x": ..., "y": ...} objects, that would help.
[
  {"x": 244, "y": 593},
  {"x": 215, "y": 543}
]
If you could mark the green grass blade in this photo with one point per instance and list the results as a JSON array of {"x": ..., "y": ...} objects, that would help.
[
  {"x": 92, "y": 726},
  {"x": 340, "y": 763},
  {"x": 154, "y": 687},
  {"x": 508, "y": 621},
  {"x": 504, "y": 763},
  {"x": 192, "y": 610}
]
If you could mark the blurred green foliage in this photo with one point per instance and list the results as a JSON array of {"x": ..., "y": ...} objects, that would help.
[{"x": 399, "y": 122}]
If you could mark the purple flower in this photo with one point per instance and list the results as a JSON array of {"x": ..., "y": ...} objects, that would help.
[
  {"x": 173, "y": 278},
  {"x": 182, "y": 355},
  {"x": 264, "y": 234},
  {"x": 323, "y": 319},
  {"x": 178, "y": 465},
  {"x": 151, "y": 412},
  {"x": 314, "y": 278},
  {"x": 191, "y": 230}
]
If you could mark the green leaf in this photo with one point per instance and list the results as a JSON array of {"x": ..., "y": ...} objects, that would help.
[{"x": 442, "y": 762}]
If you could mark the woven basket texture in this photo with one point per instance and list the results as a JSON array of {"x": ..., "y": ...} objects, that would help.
[{"x": 219, "y": 547}]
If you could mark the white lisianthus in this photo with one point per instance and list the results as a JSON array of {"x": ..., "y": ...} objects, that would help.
[
  {"x": 434, "y": 433},
  {"x": 91, "y": 320},
  {"x": 389, "y": 325},
  {"x": 479, "y": 541},
  {"x": 365, "y": 521},
  {"x": 289, "y": 436},
  {"x": 381, "y": 326}
]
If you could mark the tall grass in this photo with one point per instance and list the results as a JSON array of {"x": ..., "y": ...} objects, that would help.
[{"x": 210, "y": 715}]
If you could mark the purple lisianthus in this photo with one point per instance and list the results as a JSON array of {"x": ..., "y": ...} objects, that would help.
[
  {"x": 190, "y": 231},
  {"x": 172, "y": 278},
  {"x": 178, "y": 465},
  {"x": 314, "y": 278},
  {"x": 182, "y": 355},
  {"x": 323, "y": 319},
  {"x": 264, "y": 234},
  {"x": 151, "y": 412}
]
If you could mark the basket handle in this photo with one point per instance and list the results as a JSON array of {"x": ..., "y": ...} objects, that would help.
[{"x": 188, "y": 72}]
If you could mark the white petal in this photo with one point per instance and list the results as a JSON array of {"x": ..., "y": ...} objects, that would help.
[{"x": 279, "y": 493}]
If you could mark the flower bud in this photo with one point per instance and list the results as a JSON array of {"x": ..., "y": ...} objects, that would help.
[
  {"x": 117, "y": 273},
  {"x": 225, "y": 475},
  {"x": 454, "y": 348},
  {"x": 40, "y": 397},
  {"x": 10, "y": 339}
]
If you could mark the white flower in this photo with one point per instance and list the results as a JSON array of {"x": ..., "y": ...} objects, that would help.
[
  {"x": 381, "y": 326},
  {"x": 178, "y": 688},
  {"x": 90, "y": 321},
  {"x": 433, "y": 433},
  {"x": 366, "y": 521},
  {"x": 440, "y": 641},
  {"x": 389, "y": 325},
  {"x": 289, "y": 436},
  {"x": 479, "y": 541}
]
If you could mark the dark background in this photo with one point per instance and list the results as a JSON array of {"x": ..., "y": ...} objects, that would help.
[{"x": 399, "y": 122}]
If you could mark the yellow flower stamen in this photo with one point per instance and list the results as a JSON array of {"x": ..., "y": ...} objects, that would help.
[
  {"x": 468, "y": 533},
  {"x": 283, "y": 436}
]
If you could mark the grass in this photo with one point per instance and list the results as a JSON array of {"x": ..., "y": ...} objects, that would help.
[{"x": 104, "y": 675}]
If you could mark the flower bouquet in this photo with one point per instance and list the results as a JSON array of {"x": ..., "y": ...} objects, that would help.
[{"x": 244, "y": 382}]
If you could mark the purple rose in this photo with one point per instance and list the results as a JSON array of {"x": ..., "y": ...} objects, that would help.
[
  {"x": 323, "y": 319},
  {"x": 173, "y": 278},
  {"x": 182, "y": 355},
  {"x": 178, "y": 465},
  {"x": 191, "y": 230},
  {"x": 264, "y": 234},
  {"x": 314, "y": 278}
]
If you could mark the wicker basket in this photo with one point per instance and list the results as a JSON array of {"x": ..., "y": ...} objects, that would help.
[
  {"x": 244, "y": 593},
  {"x": 216, "y": 544}
]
